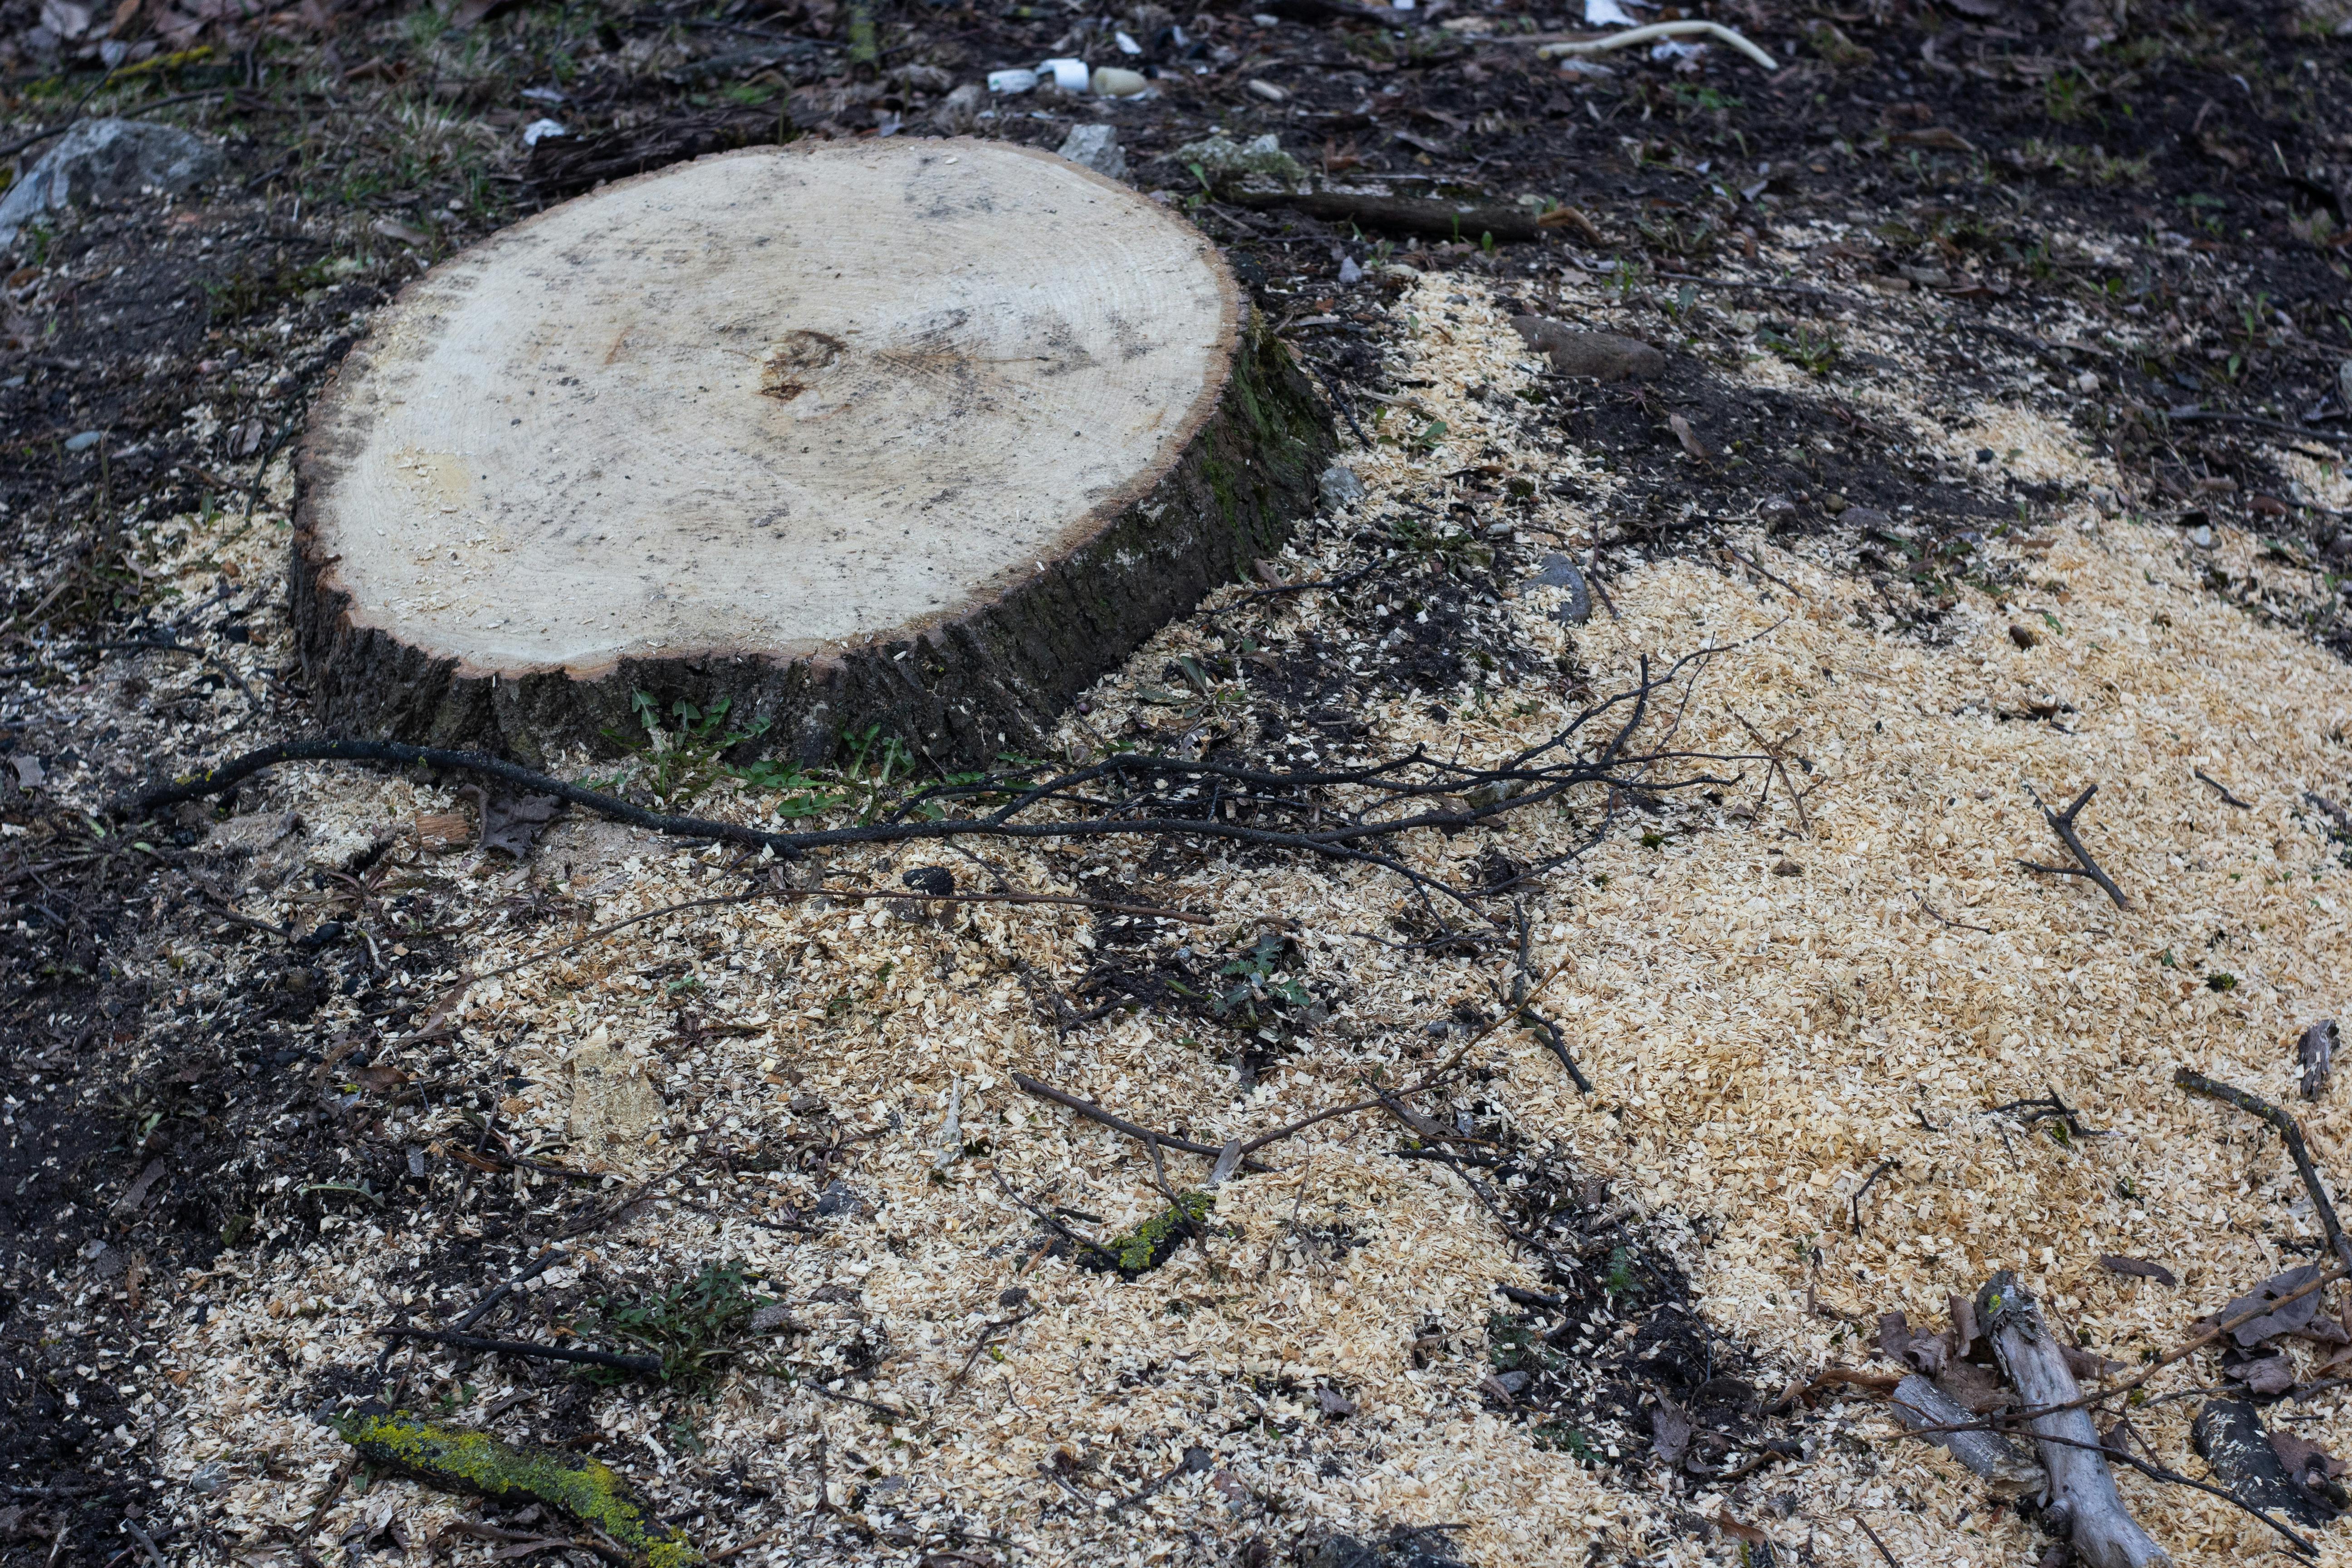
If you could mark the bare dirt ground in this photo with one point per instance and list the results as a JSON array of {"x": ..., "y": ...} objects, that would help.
[{"x": 1997, "y": 451}]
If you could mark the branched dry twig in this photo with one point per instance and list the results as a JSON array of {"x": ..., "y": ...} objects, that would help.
[{"x": 2062, "y": 823}]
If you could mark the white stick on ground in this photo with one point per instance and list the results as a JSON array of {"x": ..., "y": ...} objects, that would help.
[
  {"x": 1632, "y": 36},
  {"x": 2083, "y": 1490}
]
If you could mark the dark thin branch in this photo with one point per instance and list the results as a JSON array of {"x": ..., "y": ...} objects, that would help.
[
  {"x": 547, "y": 1260},
  {"x": 1889, "y": 1556},
  {"x": 643, "y": 1365},
  {"x": 1094, "y": 1112},
  {"x": 2222, "y": 789},
  {"x": 2291, "y": 1132},
  {"x": 1948, "y": 924},
  {"x": 1863, "y": 1190}
]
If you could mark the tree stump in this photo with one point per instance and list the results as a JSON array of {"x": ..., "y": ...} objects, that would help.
[{"x": 925, "y": 434}]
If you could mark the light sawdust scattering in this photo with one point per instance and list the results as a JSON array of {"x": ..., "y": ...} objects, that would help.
[{"x": 1760, "y": 1044}]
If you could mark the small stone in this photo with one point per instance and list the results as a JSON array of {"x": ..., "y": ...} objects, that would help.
[
  {"x": 1222, "y": 158},
  {"x": 839, "y": 1201},
  {"x": 1340, "y": 485},
  {"x": 2022, "y": 636},
  {"x": 2087, "y": 381},
  {"x": 1559, "y": 571},
  {"x": 1118, "y": 81},
  {"x": 1787, "y": 869},
  {"x": 1096, "y": 147},
  {"x": 107, "y": 161},
  {"x": 2201, "y": 537},
  {"x": 1602, "y": 356},
  {"x": 208, "y": 1479},
  {"x": 959, "y": 112}
]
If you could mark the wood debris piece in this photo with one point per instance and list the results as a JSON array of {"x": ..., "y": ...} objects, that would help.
[
  {"x": 2103, "y": 1531},
  {"x": 1956, "y": 1427},
  {"x": 2228, "y": 1432},
  {"x": 582, "y": 1489}
]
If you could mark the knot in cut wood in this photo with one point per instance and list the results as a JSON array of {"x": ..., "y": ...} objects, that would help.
[{"x": 921, "y": 435}]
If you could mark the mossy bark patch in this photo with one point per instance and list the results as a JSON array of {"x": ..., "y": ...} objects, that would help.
[
  {"x": 1153, "y": 1242},
  {"x": 589, "y": 1491}
]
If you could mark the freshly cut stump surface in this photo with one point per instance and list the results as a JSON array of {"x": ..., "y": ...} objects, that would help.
[{"x": 921, "y": 433}]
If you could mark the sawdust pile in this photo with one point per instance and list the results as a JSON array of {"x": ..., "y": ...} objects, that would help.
[{"x": 1771, "y": 1005}]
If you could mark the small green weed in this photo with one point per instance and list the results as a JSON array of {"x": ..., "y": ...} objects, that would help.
[
  {"x": 696, "y": 1326},
  {"x": 1810, "y": 351},
  {"x": 1260, "y": 980}
]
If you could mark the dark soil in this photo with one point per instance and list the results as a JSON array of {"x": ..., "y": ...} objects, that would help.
[{"x": 2030, "y": 196}]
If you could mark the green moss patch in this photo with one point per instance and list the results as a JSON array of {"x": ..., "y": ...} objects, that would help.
[
  {"x": 1153, "y": 1242},
  {"x": 589, "y": 1491}
]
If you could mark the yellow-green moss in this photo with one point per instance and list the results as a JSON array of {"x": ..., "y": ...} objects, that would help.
[
  {"x": 588, "y": 1490},
  {"x": 1150, "y": 1244}
]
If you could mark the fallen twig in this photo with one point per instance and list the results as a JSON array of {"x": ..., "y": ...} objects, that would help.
[
  {"x": 146, "y": 1542},
  {"x": 642, "y": 1365},
  {"x": 2159, "y": 1473},
  {"x": 2062, "y": 823},
  {"x": 1882, "y": 1553},
  {"x": 2179, "y": 1353},
  {"x": 2291, "y": 1132},
  {"x": 1947, "y": 923},
  {"x": 1094, "y": 1112},
  {"x": 1541, "y": 1027},
  {"x": 1869, "y": 1182},
  {"x": 548, "y": 1258},
  {"x": 1122, "y": 794},
  {"x": 2222, "y": 789}
]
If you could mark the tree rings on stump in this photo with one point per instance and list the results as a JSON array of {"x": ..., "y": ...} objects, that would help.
[{"x": 925, "y": 434}]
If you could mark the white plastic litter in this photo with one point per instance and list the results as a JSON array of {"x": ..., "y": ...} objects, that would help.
[
  {"x": 1126, "y": 46},
  {"x": 539, "y": 131},
  {"x": 1070, "y": 76},
  {"x": 1013, "y": 80},
  {"x": 1607, "y": 13},
  {"x": 1350, "y": 273}
]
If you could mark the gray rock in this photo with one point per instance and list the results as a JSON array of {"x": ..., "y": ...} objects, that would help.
[
  {"x": 1559, "y": 571},
  {"x": 1340, "y": 485},
  {"x": 1096, "y": 147},
  {"x": 2201, "y": 537},
  {"x": 959, "y": 112},
  {"x": 208, "y": 1479},
  {"x": 107, "y": 161},
  {"x": 1222, "y": 158},
  {"x": 1603, "y": 356},
  {"x": 841, "y": 1201}
]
